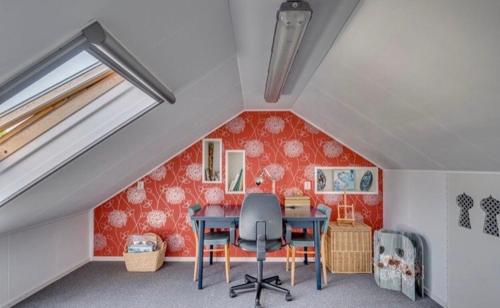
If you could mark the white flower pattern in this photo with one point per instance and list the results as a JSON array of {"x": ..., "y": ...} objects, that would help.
[
  {"x": 332, "y": 199},
  {"x": 286, "y": 146},
  {"x": 175, "y": 195},
  {"x": 117, "y": 218},
  {"x": 136, "y": 195},
  {"x": 309, "y": 172},
  {"x": 332, "y": 149},
  {"x": 193, "y": 172},
  {"x": 276, "y": 170},
  {"x": 100, "y": 242},
  {"x": 293, "y": 148},
  {"x": 311, "y": 129},
  {"x": 236, "y": 125},
  {"x": 292, "y": 191},
  {"x": 274, "y": 125},
  {"x": 254, "y": 148},
  {"x": 214, "y": 195},
  {"x": 158, "y": 174},
  {"x": 175, "y": 242},
  {"x": 156, "y": 219},
  {"x": 371, "y": 199},
  {"x": 358, "y": 217}
]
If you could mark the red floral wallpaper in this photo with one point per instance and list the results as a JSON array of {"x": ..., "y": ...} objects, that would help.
[{"x": 288, "y": 146}]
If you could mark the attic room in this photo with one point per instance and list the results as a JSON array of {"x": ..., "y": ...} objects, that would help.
[{"x": 265, "y": 153}]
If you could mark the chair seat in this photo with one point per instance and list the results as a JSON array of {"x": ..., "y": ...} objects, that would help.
[
  {"x": 302, "y": 240},
  {"x": 217, "y": 238},
  {"x": 252, "y": 245}
]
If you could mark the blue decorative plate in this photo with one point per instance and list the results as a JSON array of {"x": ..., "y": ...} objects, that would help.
[
  {"x": 366, "y": 181},
  {"x": 320, "y": 180}
]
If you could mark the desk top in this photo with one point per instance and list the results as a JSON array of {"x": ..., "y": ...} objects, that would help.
[{"x": 225, "y": 212}]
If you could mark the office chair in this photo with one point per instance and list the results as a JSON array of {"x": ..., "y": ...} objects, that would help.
[{"x": 260, "y": 231}]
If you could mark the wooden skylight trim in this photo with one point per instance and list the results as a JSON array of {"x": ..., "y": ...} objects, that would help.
[
  {"x": 55, "y": 112},
  {"x": 54, "y": 96}
]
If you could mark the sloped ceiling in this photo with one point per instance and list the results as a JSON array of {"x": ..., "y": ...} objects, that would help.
[
  {"x": 407, "y": 84},
  {"x": 254, "y": 23},
  {"x": 189, "y": 45},
  {"x": 414, "y": 85}
]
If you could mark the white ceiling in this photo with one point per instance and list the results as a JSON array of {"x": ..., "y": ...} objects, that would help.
[
  {"x": 254, "y": 23},
  {"x": 188, "y": 44},
  {"x": 414, "y": 85},
  {"x": 408, "y": 84}
]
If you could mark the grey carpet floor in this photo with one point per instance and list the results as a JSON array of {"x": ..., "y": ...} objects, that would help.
[{"x": 108, "y": 284}]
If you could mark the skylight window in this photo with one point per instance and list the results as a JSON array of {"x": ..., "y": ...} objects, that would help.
[
  {"x": 66, "y": 71},
  {"x": 68, "y": 102}
]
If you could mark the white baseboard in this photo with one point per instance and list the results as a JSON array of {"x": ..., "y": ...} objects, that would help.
[
  {"x": 191, "y": 259},
  {"x": 27, "y": 294},
  {"x": 435, "y": 298}
]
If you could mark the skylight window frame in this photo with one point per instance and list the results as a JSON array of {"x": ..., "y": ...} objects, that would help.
[
  {"x": 104, "y": 47},
  {"x": 99, "y": 43}
]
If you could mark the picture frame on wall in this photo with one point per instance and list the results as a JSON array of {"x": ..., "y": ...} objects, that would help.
[
  {"x": 211, "y": 164},
  {"x": 351, "y": 180},
  {"x": 235, "y": 172}
]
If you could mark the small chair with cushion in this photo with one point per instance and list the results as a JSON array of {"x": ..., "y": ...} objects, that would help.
[
  {"x": 307, "y": 240},
  {"x": 212, "y": 239}
]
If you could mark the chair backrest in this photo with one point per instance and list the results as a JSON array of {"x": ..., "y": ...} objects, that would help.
[
  {"x": 327, "y": 211},
  {"x": 193, "y": 209},
  {"x": 261, "y": 207}
]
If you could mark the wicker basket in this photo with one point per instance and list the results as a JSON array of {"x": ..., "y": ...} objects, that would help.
[
  {"x": 349, "y": 248},
  {"x": 146, "y": 261}
]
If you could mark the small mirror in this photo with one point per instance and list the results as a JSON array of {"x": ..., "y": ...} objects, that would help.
[
  {"x": 351, "y": 180},
  {"x": 212, "y": 160},
  {"x": 235, "y": 172}
]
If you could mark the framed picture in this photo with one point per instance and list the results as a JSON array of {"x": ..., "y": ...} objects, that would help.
[
  {"x": 211, "y": 160},
  {"x": 235, "y": 172},
  {"x": 352, "y": 180},
  {"x": 344, "y": 180}
]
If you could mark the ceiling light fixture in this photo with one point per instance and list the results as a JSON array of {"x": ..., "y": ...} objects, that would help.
[{"x": 291, "y": 22}]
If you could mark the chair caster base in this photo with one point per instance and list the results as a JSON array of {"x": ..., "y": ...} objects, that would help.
[
  {"x": 232, "y": 294},
  {"x": 288, "y": 297}
]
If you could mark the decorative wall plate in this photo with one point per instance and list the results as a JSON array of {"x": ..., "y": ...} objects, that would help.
[
  {"x": 321, "y": 180},
  {"x": 366, "y": 181}
]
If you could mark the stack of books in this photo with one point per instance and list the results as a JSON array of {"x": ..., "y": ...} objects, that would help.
[{"x": 297, "y": 201}]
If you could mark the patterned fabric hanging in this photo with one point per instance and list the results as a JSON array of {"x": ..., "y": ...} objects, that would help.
[
  {"x": 465, "y": 203},
  {"x": 492, "y": 208}
]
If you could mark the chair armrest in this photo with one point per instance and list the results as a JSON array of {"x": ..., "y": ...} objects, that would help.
[
  {"x": 232, "y": 234},
  {"x": 288, "y": 233}
]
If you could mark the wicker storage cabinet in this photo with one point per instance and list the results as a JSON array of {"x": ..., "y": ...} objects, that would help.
[{"x": 349, "y": 248}]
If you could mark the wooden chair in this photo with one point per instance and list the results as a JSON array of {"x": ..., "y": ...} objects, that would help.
[
  {"x": 212, "y": 239},
  {"x": 307, "y": 240}
]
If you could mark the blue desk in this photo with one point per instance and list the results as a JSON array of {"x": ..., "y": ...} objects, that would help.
[{"x": 223, "y": 216}]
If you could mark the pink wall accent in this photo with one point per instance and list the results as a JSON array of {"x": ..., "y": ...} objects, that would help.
[{"x": 290, "y": 147}]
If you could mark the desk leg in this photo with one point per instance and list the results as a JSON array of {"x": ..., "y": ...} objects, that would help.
[
  {"x": 305, "y": 249},
  {"x": 201, "y": 239},
  {"x": 317, "y": 263},
  {"x": 211, "y": 258}
]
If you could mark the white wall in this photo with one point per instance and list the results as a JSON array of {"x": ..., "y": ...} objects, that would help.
[
  {"x": 473, "y": 256},
  {"x": 416, "y": 201},
  {"x": 36, "y": 256},
  {"x": 462, "y": 266}
]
